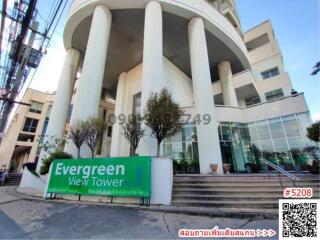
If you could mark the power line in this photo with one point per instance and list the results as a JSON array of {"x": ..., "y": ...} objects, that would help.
[{"x": 13, "y": 61}]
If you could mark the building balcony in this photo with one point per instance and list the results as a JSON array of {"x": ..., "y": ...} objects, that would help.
[
  {"x": 267, "y": 110},
  {"x": 244, "y": 84}
]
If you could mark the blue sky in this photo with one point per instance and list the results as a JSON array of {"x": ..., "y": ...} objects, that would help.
[{"x": 296, "y": 25}]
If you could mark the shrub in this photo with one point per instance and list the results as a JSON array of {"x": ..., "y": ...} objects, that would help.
[
  {"x": 47, "y": 162},
  {"x": 314, "y": 132}
]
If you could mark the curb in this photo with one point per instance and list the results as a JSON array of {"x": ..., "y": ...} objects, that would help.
[{"x": 195, "y": 211}]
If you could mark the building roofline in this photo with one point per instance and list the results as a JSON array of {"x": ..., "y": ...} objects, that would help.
[
  {"x": 266, "y": 21},
  {"x": 48, "y": 93}
]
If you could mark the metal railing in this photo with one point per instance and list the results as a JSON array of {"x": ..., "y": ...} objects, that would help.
[{"x": 280, "y": 171}]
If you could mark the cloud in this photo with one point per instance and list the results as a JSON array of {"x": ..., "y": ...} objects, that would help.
[{"x": 49, "y": 70}]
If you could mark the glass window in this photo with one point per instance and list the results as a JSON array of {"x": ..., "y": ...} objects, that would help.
[
  {"x": 291, "y": 126},
  {"x": 244, "y": 132},
  {"x": 280, "y": 145},
  {"x": 276, "y": 128},
  {"x": 167, "y": 150},
  {"x": 49, "y": 111},
  {"x": 36, "y": 107},
  {"x": 137, "y": 104},
  {"x": 30, "y": 125},
  {"x": 266, "y": 146},
  {"x": 44, "y": 130},
  {"x": 235, "y": 134},
  {"x": 226, "y": 132},
  {"x": 253, "y": 131},
  {"x": 177, "y": 137},
  {"x": 296, "y": 143},
  {"x": 270, "y": 73},
  {"x": 70, "y": 109},
  {"x": 274, "y": 95},
  {"x": 263, "y": 130},
  {"x": 189, "y": 133},
  {"x": 304, "y": 122},
  {"x": 268, "y": 151},
  {"x": 186, "y": 134},
  {"x": 109, "y": 131},
  {"x": 220, "y": 133},
  {"x": 252, "y": 101}
]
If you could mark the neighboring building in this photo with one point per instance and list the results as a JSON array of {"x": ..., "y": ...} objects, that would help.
[
  {"x": 28, "y": 124},
  {"x": 28, "y": 128},
  {"x": 234, "y": 81}
]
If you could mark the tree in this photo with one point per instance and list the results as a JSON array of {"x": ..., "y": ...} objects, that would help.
[
  {"x": 95, "y": 128},
  {"x": 133, "y": 131},
  {"x": 163, "y": 116},
  {"x": 313, "y": 132},
  {"x": 77, "y": 135}
]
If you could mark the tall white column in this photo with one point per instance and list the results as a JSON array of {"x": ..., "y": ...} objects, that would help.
[
  {"x": 91, "y": 79},
  {"x": 208, "y": 138},
  {"x": 228, "y": 91},
  {"x": 59, "y": 111},
  {"x": 117, "y": 138},
  {"x": 152, "y": 67}
]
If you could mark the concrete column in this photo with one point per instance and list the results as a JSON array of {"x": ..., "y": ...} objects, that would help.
[
  {"x": 59, "y": 111},
  {"x": 117, "y": 138},
  {"x": 90, "y": 83},
  {"x": 229, "y": 93},
  {"x": 208, "y": 138},
  {"x": 152, "y": 67}
]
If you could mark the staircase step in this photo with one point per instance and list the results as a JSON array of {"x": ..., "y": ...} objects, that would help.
[
  {"x": 14, "y": 179},
  {"x": 236, "y": 191},
  {"x": 234, "y": 204}
]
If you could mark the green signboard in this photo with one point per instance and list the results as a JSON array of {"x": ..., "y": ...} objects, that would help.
[{"x": 119, "y": 177}]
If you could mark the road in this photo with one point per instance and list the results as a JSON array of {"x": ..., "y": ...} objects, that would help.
[{"x": 22, "y": 218}]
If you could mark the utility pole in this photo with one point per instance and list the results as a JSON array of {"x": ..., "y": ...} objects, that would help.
[{"x": 14, "y": 80}]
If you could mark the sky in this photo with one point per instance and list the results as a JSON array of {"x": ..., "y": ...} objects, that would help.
[{"x": 296, "y": 26}]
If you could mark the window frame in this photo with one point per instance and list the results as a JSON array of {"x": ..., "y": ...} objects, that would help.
[
  {"x": 32, "y": 127},
  {"x": 270, "y": 73}
]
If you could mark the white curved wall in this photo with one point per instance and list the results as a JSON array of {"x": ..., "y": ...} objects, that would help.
[{"x": 215, "y": 22}]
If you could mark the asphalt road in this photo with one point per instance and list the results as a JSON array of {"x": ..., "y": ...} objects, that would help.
[{"x": 32, "y": 219}]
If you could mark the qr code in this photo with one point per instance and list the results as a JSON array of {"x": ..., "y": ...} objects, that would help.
[{"x": 299, "y": 219}]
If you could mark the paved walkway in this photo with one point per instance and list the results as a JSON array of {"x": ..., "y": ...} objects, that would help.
[
  {"x": 32, "y": 217},
  {"x": 203, "y": 211}
]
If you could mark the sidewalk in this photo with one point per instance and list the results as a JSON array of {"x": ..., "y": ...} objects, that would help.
[{"x": 28, "y": 193}]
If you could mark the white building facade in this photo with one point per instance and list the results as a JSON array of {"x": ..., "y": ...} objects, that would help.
[{"x": 232, "y": 85}]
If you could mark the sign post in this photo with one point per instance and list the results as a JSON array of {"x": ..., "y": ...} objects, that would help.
[{"x": 117, "y": 177}]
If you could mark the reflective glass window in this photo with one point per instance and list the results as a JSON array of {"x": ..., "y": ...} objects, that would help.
[
  {"x": 253, "y": 132},
  {"x": 291, "y": 126},
  {"x": 276, "y": 128},
  {"x": 226, "y": 132},
  {"x": 263, "y": 130},
  {"x": 296, "y": 143}
]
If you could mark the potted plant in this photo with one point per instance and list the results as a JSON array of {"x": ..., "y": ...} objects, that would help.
[{"x": 163, "y": 117}]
